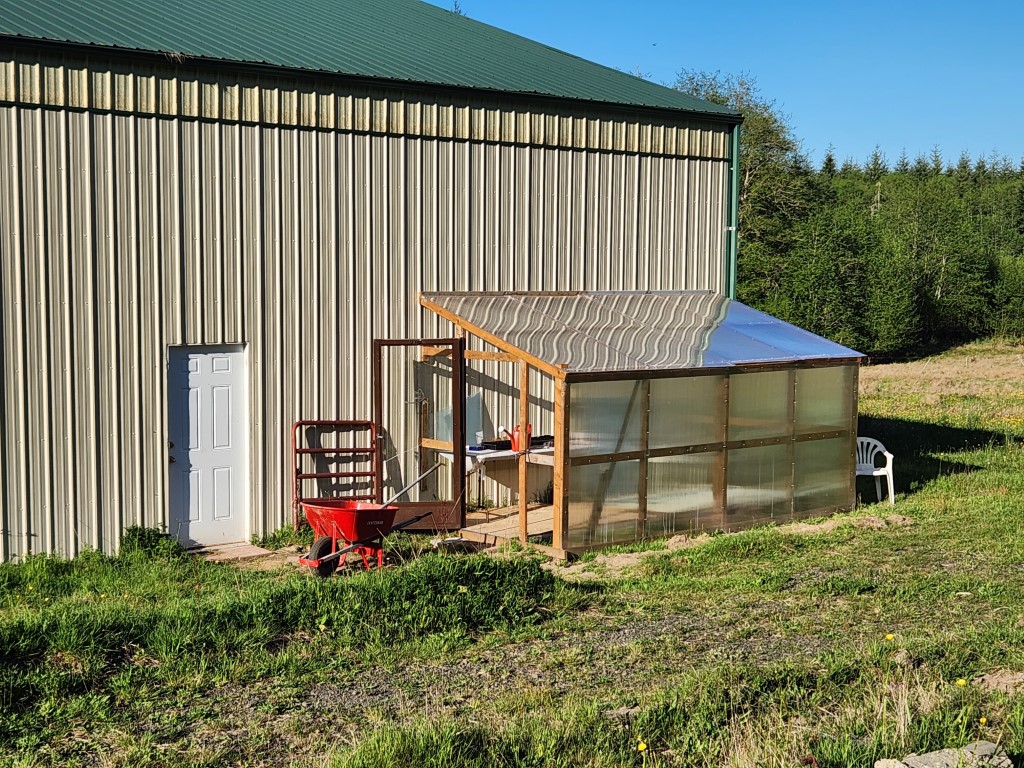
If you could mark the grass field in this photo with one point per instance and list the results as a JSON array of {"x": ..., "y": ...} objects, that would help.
[{"x": 867, "y": 635}]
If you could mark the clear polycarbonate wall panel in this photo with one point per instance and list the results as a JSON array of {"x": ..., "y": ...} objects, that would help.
[
  {"x": 822, "y": 473},
  {"x": 687, "y": 411},
  {"x": 604, "y": 504},
  {"x": 605, "y": 417},
  {"x": 759, "y": 405},
  {"x": 824, "y": 399},
  {"x": 760, "y": 484},
  {"x": 683, "y": 493}
]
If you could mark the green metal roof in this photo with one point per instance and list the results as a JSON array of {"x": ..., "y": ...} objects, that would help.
[{"x": 404, "y": 40}]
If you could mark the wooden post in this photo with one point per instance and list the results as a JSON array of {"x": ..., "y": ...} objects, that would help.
[
  {"x": 459, "y": 428},
  {"x": 560, "y": 480},
  {"x": 524, "y": 445}
]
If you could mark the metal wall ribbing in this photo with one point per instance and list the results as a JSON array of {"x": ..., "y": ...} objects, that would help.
[
  {"x": 122, "y": 234},
  {"x": 150, "y": 85}
]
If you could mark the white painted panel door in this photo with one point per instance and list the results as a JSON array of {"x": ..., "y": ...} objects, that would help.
[{"x": 207, "y": 417}]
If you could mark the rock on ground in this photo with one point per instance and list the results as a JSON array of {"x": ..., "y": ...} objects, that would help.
[{"x": 980, "y": 754}]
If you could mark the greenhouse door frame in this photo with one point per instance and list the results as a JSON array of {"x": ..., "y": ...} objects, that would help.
[{"x": 441, "y": 515}]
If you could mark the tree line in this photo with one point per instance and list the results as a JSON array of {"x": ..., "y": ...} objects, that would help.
[{"x": 882, "y": 258}]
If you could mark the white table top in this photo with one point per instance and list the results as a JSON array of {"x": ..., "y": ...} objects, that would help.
[{"x": 481, "y": 457}]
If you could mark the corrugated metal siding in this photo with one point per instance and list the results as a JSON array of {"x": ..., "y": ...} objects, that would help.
[
  {"x": 146, "y": 89},
  {"x": 123, "y": 234}
]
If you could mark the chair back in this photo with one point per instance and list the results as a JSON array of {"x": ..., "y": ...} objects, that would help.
[{"x": 867, "y": 449}]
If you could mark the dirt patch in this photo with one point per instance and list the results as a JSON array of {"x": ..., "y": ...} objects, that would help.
[
  {"x": 1001, "y": 681},
  {"x": 869, "y": 521},
  {"x": 682, "y": 541},
  {"x": 616, "y": 564},
  {"x": 286, "y": 557}
]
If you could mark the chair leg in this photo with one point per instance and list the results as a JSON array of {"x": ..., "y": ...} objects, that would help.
[
  {"x": 892, "y": 491},
  {"x": 878, "y": 487}
]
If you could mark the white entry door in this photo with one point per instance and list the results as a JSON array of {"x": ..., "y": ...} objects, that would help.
[{"x": 208, "y": 426}]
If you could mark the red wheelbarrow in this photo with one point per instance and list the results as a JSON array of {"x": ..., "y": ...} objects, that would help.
[{"x": 343, "y": 526}]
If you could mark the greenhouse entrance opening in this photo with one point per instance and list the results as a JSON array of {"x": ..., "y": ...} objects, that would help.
[{"x": 418, "y": 414}]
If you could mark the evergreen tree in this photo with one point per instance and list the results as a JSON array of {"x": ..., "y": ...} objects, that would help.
[
  {"x": 876, "y": 258},
  {"x": 876, "y": 166},
  {"x": 777, "y": 183},
  {"x": 828, "y": 165}
]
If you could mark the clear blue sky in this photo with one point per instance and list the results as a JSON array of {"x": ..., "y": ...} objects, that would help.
[{"x": 902, "y": 75}]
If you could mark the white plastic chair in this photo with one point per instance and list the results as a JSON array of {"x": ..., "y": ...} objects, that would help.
[{"x": 868, "y": 450}]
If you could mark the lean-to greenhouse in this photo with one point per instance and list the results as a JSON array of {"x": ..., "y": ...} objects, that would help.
[{"x": 671, "y": 412}]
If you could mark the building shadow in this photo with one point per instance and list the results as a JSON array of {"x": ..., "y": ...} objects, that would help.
[{"x": 914, "y": 445}]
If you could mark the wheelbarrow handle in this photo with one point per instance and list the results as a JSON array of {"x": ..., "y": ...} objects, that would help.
[{"x": 412, "y": 485}]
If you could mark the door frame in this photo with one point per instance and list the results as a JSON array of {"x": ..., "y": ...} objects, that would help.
[
  {"x": 446, "y": 515},
  {"x": 247, "y": 492}
]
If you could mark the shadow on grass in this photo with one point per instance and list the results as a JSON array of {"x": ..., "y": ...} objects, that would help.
[
  {"x": 918, "y": 352},
  {"x": 914, "y": 443}
]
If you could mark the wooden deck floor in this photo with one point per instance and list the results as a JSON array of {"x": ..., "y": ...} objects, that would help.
[{"x": 506, "y": 528}]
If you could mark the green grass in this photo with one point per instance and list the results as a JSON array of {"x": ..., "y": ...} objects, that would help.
[
  {"x": 104, "y": 640},
  {"x": 752, "y": 649}
]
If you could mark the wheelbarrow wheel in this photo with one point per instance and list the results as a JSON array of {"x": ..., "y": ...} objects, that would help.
[{"x": 322, "y": 548}]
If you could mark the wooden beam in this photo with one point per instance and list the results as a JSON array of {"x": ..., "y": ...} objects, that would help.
[
  {"x": 524, "y": 435},
  {"x": 555, "y": 552},
  {"x": 682, "y": 450},
  {"x": 501, "y": 357},
  {"x": 577, "y": 377},
  {"x": 437, "y": 445},
  {"x": 605, "y": 458},
  {"x": 500, "y": 343},
  {"x": 428, "y": 352}
]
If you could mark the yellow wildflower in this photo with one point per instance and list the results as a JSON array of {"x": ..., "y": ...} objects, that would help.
[
  {"x": 982, "y": 720},
  {"x": 641, "y": 746},
  {"x": 890, "y": 636},
  {"x": 961, "y": 682}
]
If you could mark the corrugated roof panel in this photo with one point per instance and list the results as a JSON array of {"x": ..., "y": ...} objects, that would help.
[
  {"x": 404, "y": 40},
  {"x": 590, "y": 332}
]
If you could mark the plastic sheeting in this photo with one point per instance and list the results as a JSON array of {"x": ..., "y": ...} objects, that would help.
[{"x": 635, "y": 330}]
